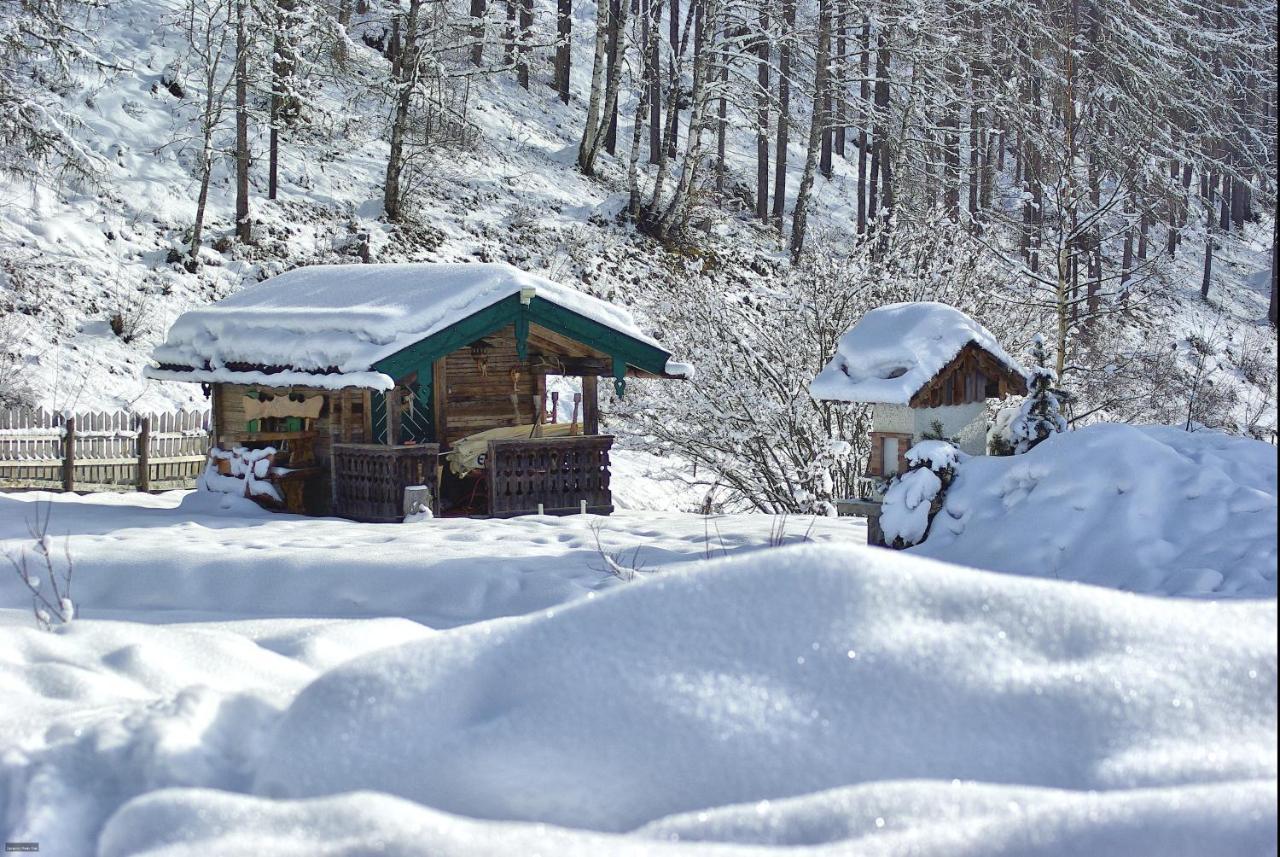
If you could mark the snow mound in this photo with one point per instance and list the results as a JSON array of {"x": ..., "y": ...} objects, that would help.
[
  {"x": 894, "y": 350},
  {"x": 1147, "y": 509},
  {"x": 799, "y": 670},
  {"x": 951, "y": 819},
  {"x": 340, "y": 320}
]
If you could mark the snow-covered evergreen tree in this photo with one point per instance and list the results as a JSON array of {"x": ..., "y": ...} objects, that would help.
[{"x": 1019, "y": 428}]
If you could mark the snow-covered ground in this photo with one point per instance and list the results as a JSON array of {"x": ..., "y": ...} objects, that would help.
[
  {"x": 245, "y": 683},
  {"x": 1148, "y": 509}
]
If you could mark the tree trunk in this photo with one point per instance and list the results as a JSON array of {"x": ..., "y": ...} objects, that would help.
[
  {"x": 673, "y": 219},
  {"x": 243, "y": 226},
  {"x": 654, "y": 66},
  {"x": 722, "y": 117},
  {"x": 1208, "y": 237},
  {"x": 762, "y": 118},
  {"x": 637, "y": 124},
  {"x": 784, "y": 113},
  {"x": 525, "y": 45},
  {"x": 879, "y": 147},
  {"x": 864, "y": 95},
  {"x": 839, "y": 83},
  {"x": 509, "y": 36},
  {"x": 1224, "y": 223},
  {"x": 827, "y": 146},
  {"x": 617, "y": 14},
  {"x": 589, "y": 145},
  {"x": 564, "y": 45},
  {"x": 479, "y": 9},
  {"x": 404, "y": 73},
  {"x": 821, "y": 84},
  {"x": 673, "y": 84},
  {"x": 951, "y": 134},
  {"x": 1126, "y": 260},
  {"x": 974, "y": 163},
  {"x": 1272, "y": 307}
]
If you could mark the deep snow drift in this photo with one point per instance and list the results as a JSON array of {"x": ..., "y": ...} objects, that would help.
[
  {"x": 1147, "y": 509},
  {"x": 813, "y": 695},
  {"x": 828, "y": 697}
]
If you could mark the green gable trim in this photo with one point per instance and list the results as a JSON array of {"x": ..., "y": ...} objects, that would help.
[{"x": 624, "y": 350}]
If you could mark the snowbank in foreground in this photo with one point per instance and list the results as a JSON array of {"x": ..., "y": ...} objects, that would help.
[
  {"x": 812, "y": 668},
  {"x": 958, "y": 820},
  {"x": 1150, "y": 509}
]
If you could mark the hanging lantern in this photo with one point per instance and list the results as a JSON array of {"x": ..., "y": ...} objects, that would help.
[{"x": 480, "y": 354}]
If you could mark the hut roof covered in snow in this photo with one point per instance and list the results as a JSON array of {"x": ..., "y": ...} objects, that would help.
[
  {"x": 332, "y": 326},
  {"x": 896, "y": 350}
]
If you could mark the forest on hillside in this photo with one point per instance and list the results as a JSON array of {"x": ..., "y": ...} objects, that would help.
[{"x": 1102, "y": 172}]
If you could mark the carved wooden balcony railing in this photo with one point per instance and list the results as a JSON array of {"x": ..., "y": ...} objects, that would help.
[
  {"x": 558, "y": 473},
  {"x": 369, "y": 479}
]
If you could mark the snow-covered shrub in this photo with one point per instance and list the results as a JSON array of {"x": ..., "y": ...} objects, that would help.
[
  {"x": 817, "y": 496},
  {"x": 915, "y": 495},
  {"x": 759, "y": 339},
  {"x": 1020, "y": 427}
]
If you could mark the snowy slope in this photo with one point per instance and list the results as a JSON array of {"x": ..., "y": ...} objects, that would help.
[
  {"x": 1147, "y": 509},
  {"x": 71, "y": 260}
]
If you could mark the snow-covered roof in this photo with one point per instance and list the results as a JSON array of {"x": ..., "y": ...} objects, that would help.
[
  {"x": 329, "y": 325},
  {"x": 894, "y": 350}
]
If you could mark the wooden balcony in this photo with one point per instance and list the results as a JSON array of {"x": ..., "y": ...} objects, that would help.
[
  {"x": 369, "y": 479},
  {"x": 558, "y": 473}
]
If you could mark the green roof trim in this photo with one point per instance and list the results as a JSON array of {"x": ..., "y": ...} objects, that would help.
[{"x": 623, "y": 349}]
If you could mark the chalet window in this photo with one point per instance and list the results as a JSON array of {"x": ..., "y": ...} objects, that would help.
[
  {"x": 993, "y": 388},
  {"x": 890, "y": 456}
]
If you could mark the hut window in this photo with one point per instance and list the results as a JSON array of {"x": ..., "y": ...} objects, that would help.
[
  {"x": 993, "y": 388},
  {"x": 889, "y": 459}
]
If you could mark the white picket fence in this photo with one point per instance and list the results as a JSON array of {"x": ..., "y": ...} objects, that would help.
[{"x": 102, "y": 451}]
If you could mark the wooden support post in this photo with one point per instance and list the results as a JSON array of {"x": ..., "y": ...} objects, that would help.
[
  {"x": 144, "y": 454},
  {"x": 590, "y": 399},
  {"x": 334, "y": 438},
  {"x": 391, "y": 401},
  {"x": 69, "y": 456},
  {"x": 440, "y": 400}
]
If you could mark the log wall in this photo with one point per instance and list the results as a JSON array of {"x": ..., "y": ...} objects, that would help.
[{"x": 477, "y": 399}]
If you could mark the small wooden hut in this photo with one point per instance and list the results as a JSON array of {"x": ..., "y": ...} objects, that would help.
[
  {"x": 928, "y": 369},
  {"x": 345, "y": 389}
]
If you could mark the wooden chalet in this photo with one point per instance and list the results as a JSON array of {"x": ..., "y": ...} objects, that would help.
[{"x": 370, "y": 391}]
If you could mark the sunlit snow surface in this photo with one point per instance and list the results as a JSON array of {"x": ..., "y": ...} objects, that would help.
[{"x": 250, "y": 684}]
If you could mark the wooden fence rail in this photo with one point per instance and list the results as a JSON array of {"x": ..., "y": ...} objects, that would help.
[{"x": 102, "y": 451}]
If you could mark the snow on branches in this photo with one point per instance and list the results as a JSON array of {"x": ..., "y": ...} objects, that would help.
[
  {"x": 1019, "y": 428},
  {"x": 916, "y": 495}
]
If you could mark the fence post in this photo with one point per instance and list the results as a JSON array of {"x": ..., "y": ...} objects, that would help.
[
  {"x": 144, "y": 454},
  {"x": 69, "y": 455}
]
